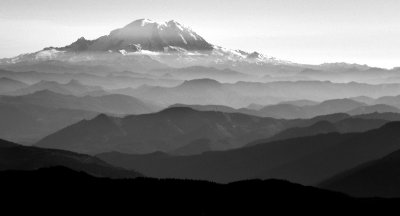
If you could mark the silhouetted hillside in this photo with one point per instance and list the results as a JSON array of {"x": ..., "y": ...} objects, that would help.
[
  {"x": 376, "y": 178},
  {"x": 16, "y": 157},
  {"x": 174, "y": 128},
  {"x": 330, "y": 125},
  {"x": 195, "y": 147},
  {"x": 60, "y": 188},
  {"x": 166, "y": 131},
  {"x": 321, "y": 127},
  {"x": 306, "y": 160},
  {"x": 356, "y": 124}
]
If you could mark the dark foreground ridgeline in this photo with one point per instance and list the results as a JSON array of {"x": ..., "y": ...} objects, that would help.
[
  {"x": 67, "y": 190},
  {"x": 376, "y": 178},
  {"x": 18, "y": 157}
]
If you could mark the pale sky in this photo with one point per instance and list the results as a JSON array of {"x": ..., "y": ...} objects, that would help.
[{"x": 303, "y": 31}]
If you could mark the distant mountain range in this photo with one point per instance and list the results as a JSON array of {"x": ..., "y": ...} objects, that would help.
[
  {"x": 202, "y": 72},
  {"x": 285, "y": 110},
  {"x": 111, "y": 103},
  {"x": 73, "y": 87},
  {"x": 10, "y": 85},
  {"x": 379, "y": 108},
  {"x": 241, "y": 94},
  {"x": 115, "y": 80},
  {"x": 352, "y": 107},
  {"x": 209, "y": 91}
]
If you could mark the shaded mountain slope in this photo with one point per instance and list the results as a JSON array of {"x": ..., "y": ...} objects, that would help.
[
  {"x": 226, "y": 166},
  {"x": 283, "y": 111},
  {"x": 217, "y": 108},
  {"x": 326, "y": 124},
  {"x": 174, "y": 128},
  {"x": 115, "y": 104},
  {"x": 306, "y": 160},
  {"x": 26, "y": 123},
  {"x": 378, "y": 108},
  {"x": 290, "y": 111},
  {"x": 300, "y": 103},
  {"x": 10, "y": 85},
  {"x": 389, "y": 100},
  {"x": 165, "y": 131},
  {"x": 360, "y": 149},
  {"x": 195, "y": 147},
  {"x": 376, "y": 178},
  {"x": 321, "y": 127},
  {"x": 16, "y": 157}
]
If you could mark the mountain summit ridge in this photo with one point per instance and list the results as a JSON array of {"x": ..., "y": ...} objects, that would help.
[
  {"x": 169, "y": 43},
  {"x": 144, "y": 34}
]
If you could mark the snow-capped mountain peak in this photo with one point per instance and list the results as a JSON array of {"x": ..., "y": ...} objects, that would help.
[
  {"x": 150, "y": 35},
  {"x": 144, "y": 22},
  {"x": 168, "y": 42}
]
